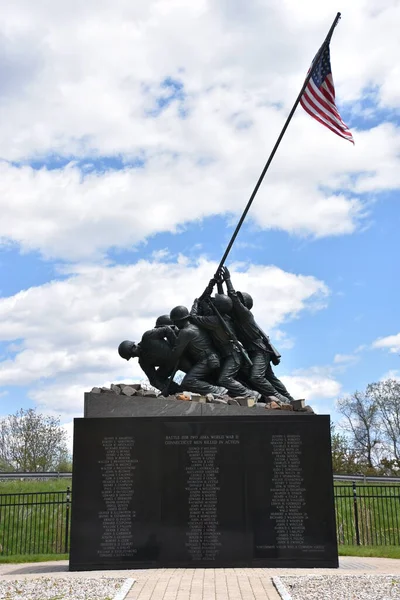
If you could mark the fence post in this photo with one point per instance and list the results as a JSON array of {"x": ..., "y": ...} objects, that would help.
[
  {"x": 356, "y": 514},
  {"x": 67, "y": 507}
]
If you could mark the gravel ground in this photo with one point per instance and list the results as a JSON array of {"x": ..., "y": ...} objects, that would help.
[
  {"x": 343, "y": 587},
  {"x": 47, "y": 588}
]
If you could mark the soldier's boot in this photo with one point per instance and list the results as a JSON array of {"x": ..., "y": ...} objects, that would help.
[
  {"x": 219, "y": 391},
  {"x": 279, "y": 399},
  {"x": 252, "y": 394}
]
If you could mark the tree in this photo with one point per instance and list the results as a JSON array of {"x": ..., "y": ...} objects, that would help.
[
  {"x": 372, "y": 424},
  {"x": 362, "y": 424},
  {"x": 386, "y": 396},
  {"x": 32, "y": 442},
  {"x": 4, "y": 466},
  {"x": 344, "y": 457}
]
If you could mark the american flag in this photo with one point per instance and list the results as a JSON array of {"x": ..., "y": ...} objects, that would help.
[{"x": 318, "y": 98}]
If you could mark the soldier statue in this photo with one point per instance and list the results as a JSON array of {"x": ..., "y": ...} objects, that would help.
[
  {"x": 221, "y": 328},
  {"x": 261, "y": 352},
  {"x": 196, "y": 344},
  {"x": 218, "y": 345},
  {"x": 155, "y": 354}
]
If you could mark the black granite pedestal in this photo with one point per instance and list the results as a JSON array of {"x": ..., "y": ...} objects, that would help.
[{"x": 203, "y": 491}]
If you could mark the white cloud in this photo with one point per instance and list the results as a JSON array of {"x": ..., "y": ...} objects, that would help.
[
  {"x": 345, "y": 359},
  {"x": 393, "y": 374},
  {"x": 71, "y": 329},
  {"x": 78, "y": 82},
  {"x": 315, "y": 383},
  {"x": 390, "y": 342}
]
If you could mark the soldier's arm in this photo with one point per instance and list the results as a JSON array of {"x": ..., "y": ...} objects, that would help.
[
  {"x": 208, "y": 291},
  {"x": 219, "y": 277},
  {"x": 240, "y": 309},
  {"x": 210, "y": 323},
  {"x": 195, "y": 308},
  {"x": 159, "y": 333},
  {"x": 227, "y": 278}
]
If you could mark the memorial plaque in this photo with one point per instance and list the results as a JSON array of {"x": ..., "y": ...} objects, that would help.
[{"x": 195, "y": 491}]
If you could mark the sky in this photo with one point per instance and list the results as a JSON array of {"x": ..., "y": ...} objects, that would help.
[{"x": 132, "y": 135}]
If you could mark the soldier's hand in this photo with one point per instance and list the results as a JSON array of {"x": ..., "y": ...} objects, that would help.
[
  {"x": 218, "y": 277},
  {"x": 225, "y": 273}
]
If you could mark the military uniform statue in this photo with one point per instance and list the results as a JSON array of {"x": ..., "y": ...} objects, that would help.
[
  {"x": 222, "y": 333},
  {"x": 155, "y": 354},
  {"x": 261, "y": 377},
  {"x": 195, "y": 343}
]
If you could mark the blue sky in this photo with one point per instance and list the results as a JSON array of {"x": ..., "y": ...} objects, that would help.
[{"x": 131, "y": 141}]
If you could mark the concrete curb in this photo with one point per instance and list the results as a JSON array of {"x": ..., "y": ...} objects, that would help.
[
  {"x": 123, "y": 592},
  {"x": 281, "y": 588}
]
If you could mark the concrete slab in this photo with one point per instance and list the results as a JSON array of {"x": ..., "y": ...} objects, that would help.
[{"x": 202, "y": 584}]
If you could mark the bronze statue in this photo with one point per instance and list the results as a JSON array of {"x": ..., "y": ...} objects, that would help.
[
  {"x": 218, "y": 345},
  {"x": 222, "y": 333},
  {"x": 154, "y": 352},
  {"x": 197, "y": 345},
  {"x": 261, "y": 353}
]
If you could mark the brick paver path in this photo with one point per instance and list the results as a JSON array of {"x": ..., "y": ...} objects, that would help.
[{"x": 202, "y": 584}]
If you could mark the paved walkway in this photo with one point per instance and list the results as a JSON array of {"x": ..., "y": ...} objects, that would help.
[{"x": 202, "y": 584}]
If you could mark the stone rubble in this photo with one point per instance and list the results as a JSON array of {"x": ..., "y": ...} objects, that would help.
[
  {"x": 136, "y": 389},
  {"x": 127, "y": 389}
]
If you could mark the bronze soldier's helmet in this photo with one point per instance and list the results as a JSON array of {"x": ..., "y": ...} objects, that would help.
[
  {"x": 179, "y": 313},
  {"x": 163, "y": 320},
  {"x": 126, "y": 348},
  {"x": 246, "y": 299},
  {"x": 222, "y": 303}
]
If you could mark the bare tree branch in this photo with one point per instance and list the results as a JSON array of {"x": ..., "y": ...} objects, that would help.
[{"x": 32, "y": 442}]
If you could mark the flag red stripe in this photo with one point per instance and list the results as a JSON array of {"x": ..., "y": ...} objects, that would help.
[
  {"x": 339, "y": 133},
  {"x": 310, "y": 107},
  {"x": 311, "y": 111},
  {"x": 322, "y": 106},
  {"x": 331, "y": 87},
  {"x": 326, "y": 93},
  {"x": 324, "y": 121},
  {"x": 316, "y": 108},
  {"x": 321, "y": 97}
]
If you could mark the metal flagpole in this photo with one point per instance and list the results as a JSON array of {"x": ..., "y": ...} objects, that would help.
[{"x": 278, "y": 141}]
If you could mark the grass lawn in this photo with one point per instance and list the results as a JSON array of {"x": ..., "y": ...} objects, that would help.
[
  {"x": 28, "y": 558},
  {"x": 378, "y": 551},
  {"x": 33, "y": 517},
  {"x": 26, "y": 486}
]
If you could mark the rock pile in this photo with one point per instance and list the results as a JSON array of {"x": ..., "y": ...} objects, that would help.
[
  {"x": 136, "y": 389},
  {"x": 126, "y": 389}
]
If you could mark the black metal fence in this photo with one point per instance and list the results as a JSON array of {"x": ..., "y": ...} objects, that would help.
[
  {"x": 35, "y": 523},
  {"x": 368, "y": 515},
  {"x": 39, "y": 522}
]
